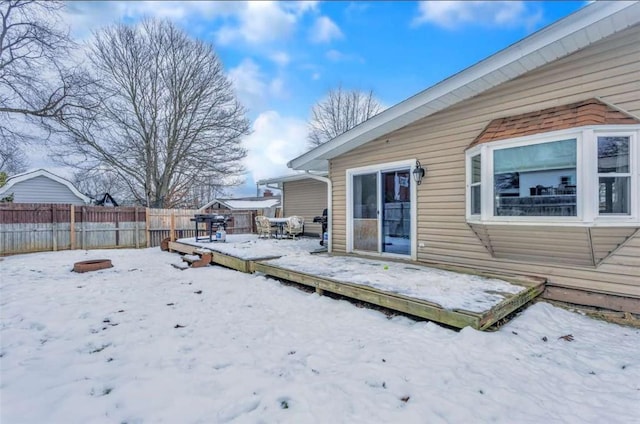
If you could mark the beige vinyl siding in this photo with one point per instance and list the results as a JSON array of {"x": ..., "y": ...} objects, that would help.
[
  {"x": 609, "y": 70},
  {"x": 306, "y": 198}
]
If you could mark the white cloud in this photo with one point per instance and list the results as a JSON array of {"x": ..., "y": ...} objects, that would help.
[
  {"x": 453, "y": 14},
  {"x": 337, "y": 56},
  {"x": 87, "y": 16},
  {"x": 277, "y": 88},
  {"x": 280, "y": 58},
  {"x": 275, "y": 140},
  {"x": 259, "y": 23},
  {"x": 250, "y": 84},
  {"x": 253, "y": 87},
  {"x": 324, "y": 30},
  {"x": 302, "y": 7}
]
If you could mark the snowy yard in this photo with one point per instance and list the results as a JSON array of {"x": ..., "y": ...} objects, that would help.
[{"x": 144, "y": 342}]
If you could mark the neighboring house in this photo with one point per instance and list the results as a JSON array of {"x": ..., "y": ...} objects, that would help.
[
  {"x": 106, "y": 200},
  {"x": 267, "y": 206},
  {"x": 531, "y": 160},
  {"x": 303, "y": 195},
  {"x": 42, "y": 186}
]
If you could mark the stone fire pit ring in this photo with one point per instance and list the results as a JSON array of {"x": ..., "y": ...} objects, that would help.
[{"x": 92, "y": 265}]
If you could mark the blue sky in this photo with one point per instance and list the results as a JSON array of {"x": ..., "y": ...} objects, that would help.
[{"x": 284, "y": 56}]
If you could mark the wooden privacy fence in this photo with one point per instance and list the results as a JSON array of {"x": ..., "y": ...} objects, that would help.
[
  {"x": 176, "y": 223},
  {"x": 26, "y": 228}
]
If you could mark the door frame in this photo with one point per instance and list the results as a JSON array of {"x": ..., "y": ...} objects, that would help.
[{"x": 379, "y": 168}]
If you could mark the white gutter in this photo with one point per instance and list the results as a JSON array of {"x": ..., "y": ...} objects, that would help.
[{"x": 326, "y": 180}]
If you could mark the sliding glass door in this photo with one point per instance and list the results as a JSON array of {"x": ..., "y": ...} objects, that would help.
[
  {"x": 396, "y": 212},
  {"x": 365, "y": 212},
  {"x": 381, "y": 210}
]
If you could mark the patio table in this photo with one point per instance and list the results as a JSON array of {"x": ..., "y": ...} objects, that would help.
[{"x": 279, "y": 224}]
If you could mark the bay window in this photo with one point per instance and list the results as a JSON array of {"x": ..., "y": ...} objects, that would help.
[{"x": 581, "y": 175}]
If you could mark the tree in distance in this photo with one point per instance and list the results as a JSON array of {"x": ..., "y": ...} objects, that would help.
[
  {"x": 340, "y": 111},
  {"x": 160, "y": 114}
]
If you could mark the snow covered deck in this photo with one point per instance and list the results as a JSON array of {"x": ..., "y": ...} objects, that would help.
[{"x": 457, "y": 299}]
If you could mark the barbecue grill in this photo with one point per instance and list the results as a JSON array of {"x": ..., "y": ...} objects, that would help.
[
  {"x": 211, "y": 221},
  {"x": 322, "y": 220}
]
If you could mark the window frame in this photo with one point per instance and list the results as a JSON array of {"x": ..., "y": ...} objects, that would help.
[
  {"x": 471, "y": 184},
  {"x": 587, "y": 177},
  {"x": 634, "y": 202}
]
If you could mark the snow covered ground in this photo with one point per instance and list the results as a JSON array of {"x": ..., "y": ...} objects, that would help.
[{"x": 143, "y": 342}]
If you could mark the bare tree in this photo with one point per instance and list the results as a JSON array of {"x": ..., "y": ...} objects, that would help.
[
  {"x": 12, "y": 159},
  {"x": 34, "y": 83},
  {"x": 165, "y": 117},
  {"x": 340, "y": 111},
  {"x": 98, "y": 181}
]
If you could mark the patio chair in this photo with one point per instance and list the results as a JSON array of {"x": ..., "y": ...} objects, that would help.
[
  {"x": 263, "y": 226},
  {"x": 294, "y": 226}
]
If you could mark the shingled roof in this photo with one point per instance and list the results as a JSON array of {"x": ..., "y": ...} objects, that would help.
[{"x": 586, "y": 112}]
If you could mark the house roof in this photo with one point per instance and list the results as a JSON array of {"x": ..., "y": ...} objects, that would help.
[
  {"x": 587, "y": 26},
  {"x": 292, "y": 177},
  {"x": 586, "y": 112},
  {"x": 246, "y": 203},
  {"x": 11, "y": 181}
]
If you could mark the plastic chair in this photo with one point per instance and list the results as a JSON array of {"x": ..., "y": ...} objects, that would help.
[
  {"x": 263, "y": 226},
  {"x": 294, "y": 226}
]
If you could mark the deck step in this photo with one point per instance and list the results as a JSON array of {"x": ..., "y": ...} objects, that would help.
[
  {"x": 180, "y": 265},
  {"x": 198, "y": 259}
]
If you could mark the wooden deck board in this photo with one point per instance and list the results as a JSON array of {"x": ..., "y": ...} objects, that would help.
[{"x": 417, "y": 307}]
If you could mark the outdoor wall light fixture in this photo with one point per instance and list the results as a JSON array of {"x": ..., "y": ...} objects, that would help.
[{"x": 418, "y": 173}]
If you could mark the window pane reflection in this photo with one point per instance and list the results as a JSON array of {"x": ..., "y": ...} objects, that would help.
[
  {"x": 614, "y": 195},
  {"x": 536, "y": 180},
  {"x": 613, "y": 155}
]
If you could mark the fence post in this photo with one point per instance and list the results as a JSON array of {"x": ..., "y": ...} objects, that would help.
[
  {"x": 83, "y": 229},
  {"x": 147, "y": 225},
  {"x": 135, "y": 226},
  {"x": 117, "y": 227},
  {"x": 72, "y": 227},
  {"x": 54, "y": 227},
  {"x": 172, "y": 226}
]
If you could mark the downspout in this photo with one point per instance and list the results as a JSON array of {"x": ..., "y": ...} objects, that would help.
[{"x": 329, "y": 206}]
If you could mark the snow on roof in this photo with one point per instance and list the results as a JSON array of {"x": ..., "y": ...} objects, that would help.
[
  {"x": 247, "y": 203},
  {"x": 252, "y": 204},
  {"x": 292, "y": 177}
]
